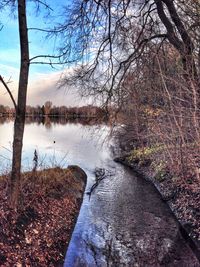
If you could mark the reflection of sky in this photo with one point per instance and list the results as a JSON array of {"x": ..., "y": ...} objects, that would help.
[{"x": 74, "y": 144}]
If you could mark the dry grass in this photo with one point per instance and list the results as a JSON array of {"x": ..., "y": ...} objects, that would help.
[{"x": 39, "y": 232}]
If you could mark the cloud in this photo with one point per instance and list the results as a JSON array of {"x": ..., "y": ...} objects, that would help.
[
  {"x": 8, "y": 72},
  {"x": 45, "y": 87},
  {"x": 41, "y": 88}
]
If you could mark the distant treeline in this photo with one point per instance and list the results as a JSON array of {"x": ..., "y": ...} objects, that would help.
[
  {"x": 48, "y": 109},
  {"x": 48, "y": 121}
]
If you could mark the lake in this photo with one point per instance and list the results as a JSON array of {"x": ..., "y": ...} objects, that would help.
[
  {"x": 58, "y": 143},
  {"x": 124, "y": 222}
]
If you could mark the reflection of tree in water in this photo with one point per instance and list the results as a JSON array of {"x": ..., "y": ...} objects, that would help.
[
  {"x": 107, "y": 249},
  {"x": 4, "y": 119},
  {"x": 47, "y": 123},
  {"x": 100, "y": 174},
  {"x": 48, "y": 120}
]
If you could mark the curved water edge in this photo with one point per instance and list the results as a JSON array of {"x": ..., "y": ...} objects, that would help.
[{"x": 124, "y": 223}]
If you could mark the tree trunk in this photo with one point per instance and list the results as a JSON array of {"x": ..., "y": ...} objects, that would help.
[
  {"x": 181, "y": 41},
  {"x": 21, "y": 106}
]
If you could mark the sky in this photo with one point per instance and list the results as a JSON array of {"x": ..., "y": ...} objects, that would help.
[{"x": 43, "y": 80}]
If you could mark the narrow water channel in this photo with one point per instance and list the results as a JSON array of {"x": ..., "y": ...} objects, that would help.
[{"x": 124, "y": 222}]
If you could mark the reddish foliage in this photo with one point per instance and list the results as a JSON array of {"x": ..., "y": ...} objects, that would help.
[{"x": 39, "y": 232}]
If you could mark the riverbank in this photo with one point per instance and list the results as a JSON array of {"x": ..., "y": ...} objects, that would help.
[
  {"x": 182, "y": 198},
  {"x": 40, "y": 231}
]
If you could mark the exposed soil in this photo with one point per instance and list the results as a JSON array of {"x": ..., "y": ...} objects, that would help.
[{"x": 39, "y": 232}]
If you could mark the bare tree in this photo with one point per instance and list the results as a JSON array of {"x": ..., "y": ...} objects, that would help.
[
  {"x": 20, "y": 106},
  {"x": 110, "y": 36},
  {"x": 109, "y": 40},
  {"x": 141, "y": 56}
]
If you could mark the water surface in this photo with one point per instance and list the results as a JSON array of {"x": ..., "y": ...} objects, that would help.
[
  {"x": 124, "y": 222},
  {"x": 57, "y": 144}
]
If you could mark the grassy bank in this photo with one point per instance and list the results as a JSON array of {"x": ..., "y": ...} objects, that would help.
[{"x": 39, "y": 232}]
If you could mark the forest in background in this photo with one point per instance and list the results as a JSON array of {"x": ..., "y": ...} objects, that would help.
[{"x": 48, "y": 109}]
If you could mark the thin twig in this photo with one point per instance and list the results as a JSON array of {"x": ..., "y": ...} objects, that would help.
[{"x": 9, "y": 92}]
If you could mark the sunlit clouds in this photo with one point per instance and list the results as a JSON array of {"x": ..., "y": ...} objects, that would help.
[
  {"x": 45, "y": 87},
  {"x": 42, "y": 87}
]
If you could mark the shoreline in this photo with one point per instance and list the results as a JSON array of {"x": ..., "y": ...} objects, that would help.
[{"x": 145, "y": 173}]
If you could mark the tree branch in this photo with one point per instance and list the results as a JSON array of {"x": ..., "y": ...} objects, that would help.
[
  {"x": 44, "y": 4},
  {"x": 172, "y": 37},
  {"x": 9, "y": 92},
  {"x": 45, "y": 56}
]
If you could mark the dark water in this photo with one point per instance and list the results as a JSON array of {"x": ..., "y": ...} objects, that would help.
[{"x": 124, "y": 222}]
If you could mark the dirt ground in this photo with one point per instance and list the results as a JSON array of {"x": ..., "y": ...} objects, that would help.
[{"x": 38, "y": 233}]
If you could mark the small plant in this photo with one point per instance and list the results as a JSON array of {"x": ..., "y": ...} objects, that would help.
[
  {"x": 35, "y": 160},
  {"x": 152, "y": 112},
  {"x": 142, "y": 156},
  {"x": 161, "y": 175},
  {"x": 161, "y": 171}
]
